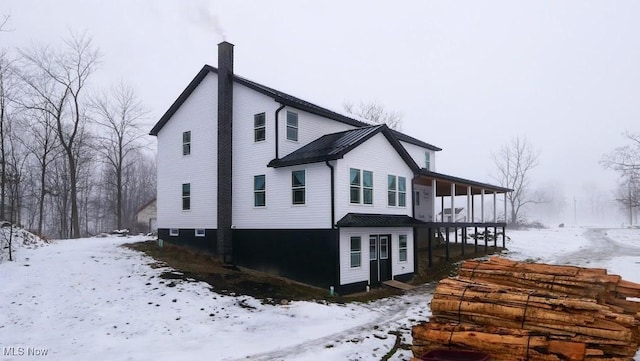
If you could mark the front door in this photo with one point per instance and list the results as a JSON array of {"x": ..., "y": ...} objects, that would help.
[{"x": 379, "y": 258}]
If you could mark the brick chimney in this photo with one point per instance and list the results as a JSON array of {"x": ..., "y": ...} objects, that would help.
[{"x": 225, "y": 139}]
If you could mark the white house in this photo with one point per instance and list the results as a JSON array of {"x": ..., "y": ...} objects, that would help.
[{"x": 272, "y": 182}]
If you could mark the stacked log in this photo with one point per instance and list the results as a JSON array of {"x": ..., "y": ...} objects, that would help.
[{"x": 530, "y": 311}]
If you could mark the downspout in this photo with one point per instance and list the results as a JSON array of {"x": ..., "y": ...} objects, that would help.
[
  {"x": 277, "y": 127},
  {"x": 333, "y": 223},
  {"x": 333, "y": 201}
]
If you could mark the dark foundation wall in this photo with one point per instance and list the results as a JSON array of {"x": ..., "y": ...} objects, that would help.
[
  {"x": 187, "y": 237},
  {"x": 306, "y": 255}
]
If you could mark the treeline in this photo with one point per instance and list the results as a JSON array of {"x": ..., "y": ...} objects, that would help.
[{"x": 73, "y": 160}]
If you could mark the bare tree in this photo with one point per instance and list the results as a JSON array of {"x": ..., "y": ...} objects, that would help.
[
  {"x": 625, "y": 160},
  {"x": 375, "y": 112},
  {"x": 57, "y": 81},
  {"x": 514, "y": 162},
  {"x": 119, "y": 114},
  {"x": 7, "y": 87}
]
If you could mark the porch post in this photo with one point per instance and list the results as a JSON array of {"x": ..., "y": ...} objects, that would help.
[
  {"x": 442, "y": 209},
  {"x": 482, "y": 205},
  {"x": 495, "y": 206},
  {"x": 433, "y": 200},
  {"x": 505, "y": 209},
  {"x": 469, "y": 207},
  {"x": 453, "y": 202}
]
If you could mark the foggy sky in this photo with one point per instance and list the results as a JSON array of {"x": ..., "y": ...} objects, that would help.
[{"x": 467, "y": 76}]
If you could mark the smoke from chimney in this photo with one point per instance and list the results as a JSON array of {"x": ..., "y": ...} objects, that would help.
[{"x": 202, "y": 16}]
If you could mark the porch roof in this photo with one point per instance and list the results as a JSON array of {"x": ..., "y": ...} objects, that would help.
[
  {"x": 377, "y": 220},
  {"x": 444, "y": 181}
]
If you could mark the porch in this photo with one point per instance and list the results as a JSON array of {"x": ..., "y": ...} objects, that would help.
[{"x": 457, "y": 212}]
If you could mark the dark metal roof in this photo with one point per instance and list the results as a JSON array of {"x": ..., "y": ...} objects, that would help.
[
  {"x": 328, "y": 147},
  {"x": 377, "y": 220},
  {"x": 278, "y": 96},
  {"x": 462, "y": 181},
  {"x": 336, "y": 145},
  {"x": 405, "y": 138}
]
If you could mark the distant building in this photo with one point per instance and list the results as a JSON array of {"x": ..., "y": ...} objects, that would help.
[{"x": 146, "y": 217}]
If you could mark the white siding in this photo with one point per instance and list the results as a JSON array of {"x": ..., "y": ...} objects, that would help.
[
  {"x": 197, "y": 114},
  {"x": 424, "y": 211},
  {"x": 417, "y": 153},
  {"x": 310, "y": 128},
  {"x": 378, "y": 156},
  {"x": 359, "y": 274}
]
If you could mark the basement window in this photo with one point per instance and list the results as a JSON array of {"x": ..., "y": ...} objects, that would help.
[
  {"x": 200, "y": 232},
  {"x": 292, "y": 126},
  {"x": 173, "y": 232},
  {"x": 259, "y": 127}
]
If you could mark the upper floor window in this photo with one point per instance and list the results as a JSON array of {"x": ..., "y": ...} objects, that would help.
[
  {"x": 186, "y": 143},
  {"x": 361, "y": 186},
  {"x": 427, "y": 160},
  {"x": 292, "y": 126},
  {"x": 259, "y": 191},
  {"x": 396, "y": 191},
  {"x": 298, "y": 186},
  {"x": 259, "y": 127},
  {"x": 186, "y": 196}
]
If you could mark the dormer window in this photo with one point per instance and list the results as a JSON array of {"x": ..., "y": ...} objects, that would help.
[
  {"x": 259, "y": 128},
  {"x": 292, "y": 126},
  {"x": 427, "y": 160}
]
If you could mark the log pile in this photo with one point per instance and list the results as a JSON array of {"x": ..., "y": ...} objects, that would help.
[{"x": 531, "y": 311}]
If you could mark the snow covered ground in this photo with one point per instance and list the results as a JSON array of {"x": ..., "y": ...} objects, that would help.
[{"x": 90, "y": 299}]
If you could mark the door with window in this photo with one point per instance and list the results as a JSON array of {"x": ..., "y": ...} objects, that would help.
[{"x": 379, "y": 258}]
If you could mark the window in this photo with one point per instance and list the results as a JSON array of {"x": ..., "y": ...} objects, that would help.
[
  {"x": 384, "y": 247},
  {"x": 391, "y": 190},
  {"x": 186, "y": 196},
  {"x": 186, "y": 143},
  {"x": 427, "y": 160},
  {"x": 396, "y": 191},
  {"x": 402, "y": 191},
  {"x": 402, "y": 248},
  {"x": 173, "y": 232},
  {"x": 356, "y": 252},
  {"x": 292, "y": 126},
  {"x": 298, "y": 186},
  {"x": 259, "y": 127},
  {"x": 417, "y": 198},
  {"x": 259, "y": 192},
  {"x": 200, "y": 232},
  {"x": 373, "y": 248},
  {"x": 361, "y": 187},
  {"x": 355, "y": 182},
  {"x": 367, "y": 187}
]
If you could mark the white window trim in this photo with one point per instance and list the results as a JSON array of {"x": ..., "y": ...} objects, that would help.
[
  {"x": 352, "y": 252},
  {"x": 406, "y": 248},
  {"x": 427, "y": 160},
  {"x": 297, "y": 127},
  {"x": 264, "y": 126},
  {"x": 186, "y": 143},
  {"x": 361, "y": 188},
  {"x": 397, "y": 192},
  {"x": 263, "y": 191},
  {"x": 182, "y": 197},
  {"x": 303, "y": 188},
  {"x": 174, "y": 232},
  {"x": 200, "y": 232}
]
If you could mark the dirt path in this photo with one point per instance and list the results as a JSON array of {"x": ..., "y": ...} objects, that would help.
[
  {"x": 394, "y": 314},
  {"x": 600, "y": 248}
]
